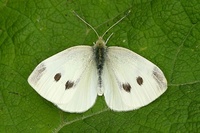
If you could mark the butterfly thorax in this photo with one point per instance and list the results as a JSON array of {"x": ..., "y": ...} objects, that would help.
[{"x": 99, "y": 51}]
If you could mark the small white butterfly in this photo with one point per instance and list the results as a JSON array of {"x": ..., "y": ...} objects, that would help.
[{"x": 73, "y": 78}]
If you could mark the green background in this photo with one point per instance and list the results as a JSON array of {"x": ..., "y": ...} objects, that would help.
[{"x": 166, "y": 32}]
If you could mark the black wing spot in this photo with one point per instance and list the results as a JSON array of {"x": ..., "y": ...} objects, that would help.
[
  {"x": 139, "y": 80},
  {"x": 38, "y": 73},
  {"x": 41, "y": 68},
  {"x": 69, "y": 84},
  {"x": 157, "y": 74},
  {"x": 126, "y": 87},
  {"x": 57, "y": 77},
  {"x": 159, "y": 78}
]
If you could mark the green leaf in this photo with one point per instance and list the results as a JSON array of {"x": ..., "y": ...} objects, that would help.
[{"x": 165, "y": 32}]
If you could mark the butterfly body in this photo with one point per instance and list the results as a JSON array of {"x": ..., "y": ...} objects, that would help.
[{"x": 99, "y": 55}]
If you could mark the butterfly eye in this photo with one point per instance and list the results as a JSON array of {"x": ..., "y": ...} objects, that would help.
[
  {"x": 126, "y": 87},
  {"x": 57, "y": 77},
  {"x": 69, "y": 85},
  {"x": 139, "y": 80}
]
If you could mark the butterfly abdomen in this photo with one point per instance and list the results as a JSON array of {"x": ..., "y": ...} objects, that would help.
[{"x": 100, "y": 59}]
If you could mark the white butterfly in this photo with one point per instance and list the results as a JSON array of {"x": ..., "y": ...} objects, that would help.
[{"x": 73, "y": 78}]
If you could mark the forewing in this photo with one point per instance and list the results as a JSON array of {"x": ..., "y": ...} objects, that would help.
[
  {"x": 68, "y": 77},
  {"x": 86, "y": 92},
  {"x": 130, "y": 81}
]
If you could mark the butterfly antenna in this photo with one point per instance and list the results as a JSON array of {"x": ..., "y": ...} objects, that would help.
[
  {"x": 108, "y": 38},
  {"x": 86, "y": 23},
  {"x": 116, "y": 23}
]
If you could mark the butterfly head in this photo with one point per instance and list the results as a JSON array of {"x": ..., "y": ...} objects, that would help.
[{"x": 100, "y": 43}]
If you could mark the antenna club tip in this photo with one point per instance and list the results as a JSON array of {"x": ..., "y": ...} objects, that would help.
[
  {"x": 74, "y": 12},
  {"x": 129, "y": 11}
]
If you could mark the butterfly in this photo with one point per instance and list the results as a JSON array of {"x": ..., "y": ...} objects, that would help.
[{"x": 73, "y": 78}]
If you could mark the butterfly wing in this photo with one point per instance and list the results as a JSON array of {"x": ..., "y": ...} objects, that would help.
[
  {"x": 68, "y": 79},
  {"x": 130, "y": 81}
]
